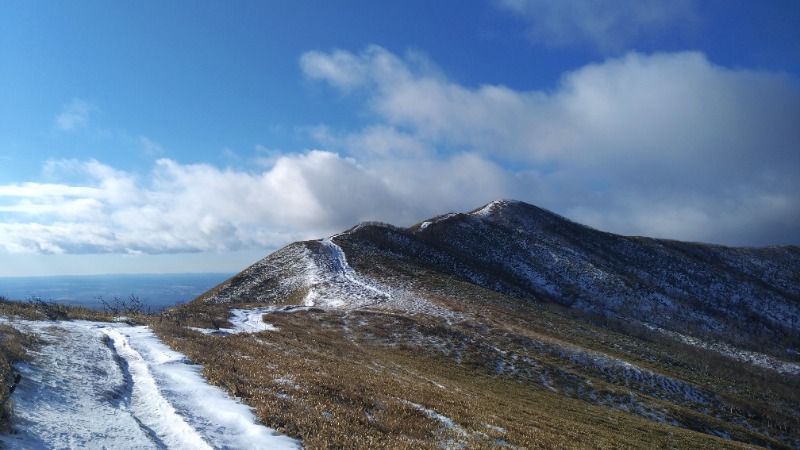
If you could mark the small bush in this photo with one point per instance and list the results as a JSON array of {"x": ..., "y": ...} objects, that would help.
[
  {"x": 12, "y": 349},
  {"x": 52, "y": 310}
]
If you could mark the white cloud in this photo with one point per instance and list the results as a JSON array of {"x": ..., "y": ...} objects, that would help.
[
  {"x": 666, "y": 145},
  {"x": 376, "y": 141},
  {"x": 341, "y": 68},
  {"x": 151, "y": 148},
  {"x": 198, "y": 207},
  {"x": 74, "y": 115},
  {"x": 644, "y": 137},
  {"x": 609, "y": 25}
]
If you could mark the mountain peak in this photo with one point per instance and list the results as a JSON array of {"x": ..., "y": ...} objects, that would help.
[
  {"x": 520, "y": 215},
  {"x": 495, "y": 206}
]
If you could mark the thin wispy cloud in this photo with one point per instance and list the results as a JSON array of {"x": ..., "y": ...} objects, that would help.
[
  {"x": 75, "y": 114},
  {"x": 608, "y": 26},
  {"x": 151, "y": 148}
]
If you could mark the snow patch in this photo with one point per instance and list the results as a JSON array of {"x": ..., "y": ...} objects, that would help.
[
  {"x": 249, "y": 320},
  {"x": 488, "y": 210},
  {"x": 444, "y": 420},
  {"x": 428, "y": 223}
]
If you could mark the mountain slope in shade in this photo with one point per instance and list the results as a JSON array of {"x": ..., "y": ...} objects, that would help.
[
  {"x": 737, "y": 295},
  {"x": 686, "y": 337}
]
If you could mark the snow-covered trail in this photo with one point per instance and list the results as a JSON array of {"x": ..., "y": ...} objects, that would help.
[
  {"x": 111, "y": 385},
  {"x": 335, "y": 284},
  {"x": 343, "y": 269}
]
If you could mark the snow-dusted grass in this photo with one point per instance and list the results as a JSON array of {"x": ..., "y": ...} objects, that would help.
[
  {"x": 420, "y": 382},
  {"x": 745, "y": 356},
  {"x": 111, "y": 385}
]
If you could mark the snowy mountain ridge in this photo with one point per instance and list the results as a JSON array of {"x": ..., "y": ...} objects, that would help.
[
  {"x": 735, "y": 295},
  {"x": 695, "y": 336}
]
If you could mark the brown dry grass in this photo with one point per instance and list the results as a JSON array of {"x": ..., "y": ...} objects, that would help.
[
  {"x": 381, "y": 379},
  {"x": 13, "y": 345},
  {"x": 37, "y": 309},
  {"x": 358, "y": 380}
]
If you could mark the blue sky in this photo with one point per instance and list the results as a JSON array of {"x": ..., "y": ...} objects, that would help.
[{"x": 185, "y": 136}]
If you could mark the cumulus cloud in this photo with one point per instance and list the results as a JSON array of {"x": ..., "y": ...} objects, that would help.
[
  {"x": 74, "y": 115},
  {"x": 666, "y": 144},
  {"x": 609, "y": 26}
]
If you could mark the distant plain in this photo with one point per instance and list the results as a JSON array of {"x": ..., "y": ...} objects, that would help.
[{"x": 158, "y": 291}]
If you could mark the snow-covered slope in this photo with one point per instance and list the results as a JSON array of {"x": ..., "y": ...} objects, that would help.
[{"x": 316, "y": 274}]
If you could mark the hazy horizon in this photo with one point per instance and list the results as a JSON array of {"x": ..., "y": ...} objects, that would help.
[{"x": 157, "y": 291}]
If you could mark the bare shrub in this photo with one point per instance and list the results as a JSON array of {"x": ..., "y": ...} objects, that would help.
[
  {"x": 130, "y": 305},
  {"x": 51, "y": 309}
]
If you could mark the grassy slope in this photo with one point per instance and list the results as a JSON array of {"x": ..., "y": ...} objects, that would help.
[
  {"x": 335, "y": 385},
  {"x": 358, "y": 379}
]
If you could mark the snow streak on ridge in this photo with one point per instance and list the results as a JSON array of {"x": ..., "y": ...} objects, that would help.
[{"x": 335, "y": 284}]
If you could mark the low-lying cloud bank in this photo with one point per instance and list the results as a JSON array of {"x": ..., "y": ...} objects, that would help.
[
  {"x": 665, "y": 145},
  {"x": 199, "y": 207}
]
